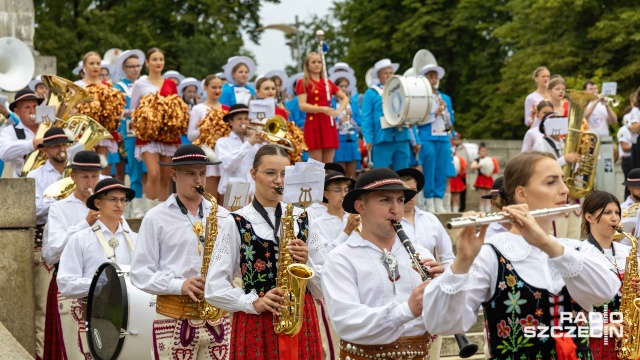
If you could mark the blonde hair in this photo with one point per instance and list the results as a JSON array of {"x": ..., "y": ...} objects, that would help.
[
  {"x": 537, "y": 71},
  {"x": 306, "y": 78},
  {"x": 263, "y": 80},
  {"x": 517, "y": 173},
  {"x": 88, "y": 55},
  {"x": 556, "y": 81},
  {"x": 209, "y": 79}
]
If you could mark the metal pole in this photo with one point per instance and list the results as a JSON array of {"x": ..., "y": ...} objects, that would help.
[{"x": 299, "y": 59}]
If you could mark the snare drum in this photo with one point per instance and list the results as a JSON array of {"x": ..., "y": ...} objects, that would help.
[
  {"x": 119, "y": 316},
  {"x": 407, "y": 101}
]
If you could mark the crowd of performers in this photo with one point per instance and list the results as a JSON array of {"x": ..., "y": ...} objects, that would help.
[{"x": 366, "y": 299}]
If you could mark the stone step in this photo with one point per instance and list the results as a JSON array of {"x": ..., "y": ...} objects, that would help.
[{"x": 450, "y": 349}]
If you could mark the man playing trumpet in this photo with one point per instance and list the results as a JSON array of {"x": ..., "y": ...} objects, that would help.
[{"x": 237, "y": 150}]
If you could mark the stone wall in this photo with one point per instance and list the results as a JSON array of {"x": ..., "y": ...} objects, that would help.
[{"x": 17, "y": 222}]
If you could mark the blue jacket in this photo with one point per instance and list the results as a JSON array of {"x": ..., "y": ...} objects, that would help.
[
  {"x": 424, "y": 131},
  {"x": 355, "y": 111},
  {"x": 123, "y": 124},
  {"x": 298, "y": 117},
  {"x": 228, "y": 96},
  {"x": 371, "y": 130}
]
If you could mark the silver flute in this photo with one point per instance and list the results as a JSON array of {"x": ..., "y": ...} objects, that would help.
[{"x": 499, "y": 217}]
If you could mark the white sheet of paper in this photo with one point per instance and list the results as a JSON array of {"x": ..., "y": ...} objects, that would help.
[
  {"x": 262, "y": 109},
  {"x": 556, "y": 126},
  {"x": 609, "y": 88},
  {"x": 45, "y": 114},
  {"x": 304, "y": 181},
  {"x": 237, "y": 193}
]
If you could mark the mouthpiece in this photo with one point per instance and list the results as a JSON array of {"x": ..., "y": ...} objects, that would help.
[
  {"x": 279, "y": 190},
  {"x": 32, "y": 117},
  {"x": 200, "y": 189},
  {"x": 91, "y": 191},
  {"x": 243, "y": 127},
  {"x": 63, "y": 155}
]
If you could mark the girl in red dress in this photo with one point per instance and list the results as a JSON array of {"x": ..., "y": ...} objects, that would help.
[
  {"x": 483, "y": 183},
  {"x": 320, "y": 129},
  {"x": 151, "y": 152}
]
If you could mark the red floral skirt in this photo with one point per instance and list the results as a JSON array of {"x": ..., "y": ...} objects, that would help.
[
  {"x": 253, "y": 337},
  {"x": 457, "y": 185},
  {"x": 601, "y": 351},
  {"x": 483, "y": 182}
]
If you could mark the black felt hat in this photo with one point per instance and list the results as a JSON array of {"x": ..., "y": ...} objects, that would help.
[
  {"x": 105, "y": 186},
  {"x": 495, "y": 189},
  {"x": 235, "y": 109},
  {"x": 55, "y": 136},
  {"x": 633, "y": 178},
  {"x": 24, "y": 94},
  {"x": 87, "y": 160},
  {"x": 335, "y": 176},
  {"x": 375, "y": 180},
  {"x": 415, "y": 174},
  {"x": 334, "y": 167},
  {"x": 192, "y": 155}
]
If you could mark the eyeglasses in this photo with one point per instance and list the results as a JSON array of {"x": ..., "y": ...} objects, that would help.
[
  {"x": 133, "y": 66},
  {"x": 115, "y": 201},
  {"x": 271, "y": 174},
  {"x": 338, "y": 191}
]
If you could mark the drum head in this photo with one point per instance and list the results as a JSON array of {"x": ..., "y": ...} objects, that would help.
[
  {"x": 107, "y": 312},
  {"x": 393, "y": 101}
]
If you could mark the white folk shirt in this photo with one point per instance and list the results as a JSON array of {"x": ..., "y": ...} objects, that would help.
[
  {"x": 84, "y": 254},
  {"x": 451, "y": 301},
  {"x": 360, "y": 299},
  {"x": 44, "y": 176},
  {"x": 599, "y": 120},
  {"x": 13, "y": 150},
  {"x": 66, "y": 217},
  {"x": 544, "y": 146},
  {"x": 429, "y": 233},
  {"x": 316, "y": 210},
  {"x": 627, "y": 203},
  {"x": 237, "y": 159},
  {"x": 225, "y": 262},
  {"x": 494, "y": 228},
  {"x": 196, "y": 114},
  {"x": 332, "y": 229},
  {"x": 625, "y": 135},
  {"x": 166, "y": 252}
]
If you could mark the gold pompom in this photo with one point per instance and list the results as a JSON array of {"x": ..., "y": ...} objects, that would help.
[
  {"x": 296, "y": 136},
  {"x": 106, "y": 107},
  {"x": 160, "y": 118},
  {"x": 212, "y": 128}
]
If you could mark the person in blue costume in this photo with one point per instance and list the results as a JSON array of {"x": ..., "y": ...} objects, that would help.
[
  {"x": 356, "y": 98},
  {"x": 295, "y": 114},
  {"x": 435, "y": 153},
  {"x": 347, "y": 154},
  {"x": 189, "y": 89},
  {"x": 238, "y": 70},
  {"x": 390, "y": 147},
  {"x": 12, "y": 119},
  {"x": 128, "y": 70}
]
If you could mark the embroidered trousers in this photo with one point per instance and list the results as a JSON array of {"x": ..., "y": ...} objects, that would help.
[
  {"x": 191, "y": 339},
  {"x": 42, "y": 274}
]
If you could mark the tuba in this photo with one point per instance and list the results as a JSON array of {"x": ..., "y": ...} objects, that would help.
[
  {"x": 628, "y": 347},
  {"x": 580, "y": 177},
  {"x": 291, "y": 279},
  {"x": 16, "y": 64},
  {"x": 65, "y": 96}
]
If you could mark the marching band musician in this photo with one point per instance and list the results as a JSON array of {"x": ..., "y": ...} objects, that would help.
[
  {"x": 321, "y": 134},
  {"x": 130, "y": 64},
  {"x": 157, "y": 185},
  {"x": 390, "y": 147},
  {"x": 373, "y": 294},
  {"x": 247, "y": 244},
  {"x": 189, "y": 90},
  {"x": 38, "y": 87},
  {"x": 240, "y": 69},
  {"x": 236, "y": 151},
  {"x": 91, "y": 64},
  {"x": 435, "y": 152},
  {"x": 522, "y": 277},
  {"x": 18, "y": 141},
  {"x": 600, "y": 214},
  {"x": 213, "y": 89},
  {"x": 293, "y": 106},
  {"x": 174, "y": 76},
  {"x": 633, "y": 184},
  {"x": 67, "y": 217},
  {"x": 424, "y": 228},
  {"x": 54, "y": 145},
  {"x": 167, "y": 262},
  {"x": 280, "y": 79},
  {"x": 598, "y": 113},
  {"x": 106, "y": 240},
  {"x": 347, "y": 154}
]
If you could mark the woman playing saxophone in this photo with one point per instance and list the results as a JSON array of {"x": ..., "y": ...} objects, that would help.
[{"x": 248, "y": 242}]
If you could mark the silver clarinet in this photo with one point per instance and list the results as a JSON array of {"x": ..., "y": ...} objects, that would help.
[{"x": 499, "y": 217}]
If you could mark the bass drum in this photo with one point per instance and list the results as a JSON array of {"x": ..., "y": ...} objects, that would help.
[
  {"x": 119, "y": 316},
  {"x": 407, "y": 101}
]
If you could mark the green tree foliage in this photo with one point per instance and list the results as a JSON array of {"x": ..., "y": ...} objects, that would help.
[
  {"x": 197, "y": 35},
  {"x": 490, "y": 48}
]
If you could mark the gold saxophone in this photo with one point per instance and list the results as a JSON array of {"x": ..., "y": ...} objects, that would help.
[
  {"x": 207, "y": 311},
  {"x": 580, "y": 179},
  {"x": 628, "y": 347},
  {"x": 291, "y": 279}
]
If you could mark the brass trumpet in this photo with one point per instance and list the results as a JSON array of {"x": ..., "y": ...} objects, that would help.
[{"x": 274, "y": 130}]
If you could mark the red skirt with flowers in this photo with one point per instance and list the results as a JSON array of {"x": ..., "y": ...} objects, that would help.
[
  {"x": 483, "y": 182},
  {"x": 456, "y": 184},
  {"x": 253, "y": 337}
]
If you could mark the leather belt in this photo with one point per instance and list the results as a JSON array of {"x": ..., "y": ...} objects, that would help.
[
  {"x": 179, "y": 307},
  {"x": 407, "y": 347}
]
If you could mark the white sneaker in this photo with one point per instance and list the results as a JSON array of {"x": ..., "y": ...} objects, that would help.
[
  {"x": 456, "y": 209},
  {"x": 447, "y": 202},
  {"x": 430, "y": 205},
  {"x": 439, "y": 205}
]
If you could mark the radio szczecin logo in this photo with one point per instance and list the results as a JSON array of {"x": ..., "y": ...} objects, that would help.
[{"x": 580, "y": 325}]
